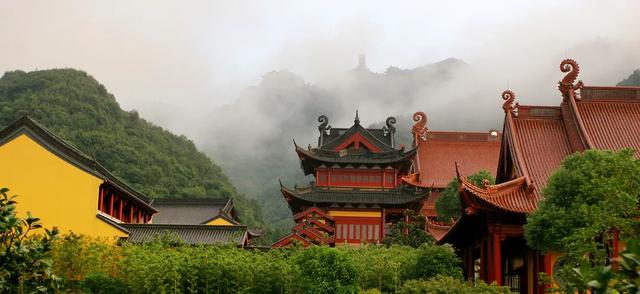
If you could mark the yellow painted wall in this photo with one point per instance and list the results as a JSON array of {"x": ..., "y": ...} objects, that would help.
[
  {"x": 355, "y": 213},
  {"x": 54, "y": 190},
  {"x": 219, "y": 222}
]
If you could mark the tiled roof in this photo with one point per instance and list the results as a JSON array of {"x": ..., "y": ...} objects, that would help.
[
  {"x": 438, "y": 229},
  {"x": 511, "y": 196},
  {"x": 347, "y": 156},
  {"x": 543, "y": 142},
  {"x": 378, "y": 137},
  {"x": 189, "y": 234},
  {"x": 440, "y": 151},
  {"x": 612, "y": 125},
  {"x": 353, "y": 195},
  {"x": 189, "y": 211}
]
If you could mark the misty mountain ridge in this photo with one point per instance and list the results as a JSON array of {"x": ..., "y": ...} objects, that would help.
[{"x": 253, "y": 137}]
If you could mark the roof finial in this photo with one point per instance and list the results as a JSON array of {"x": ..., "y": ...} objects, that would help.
[
  {"x": 566, "y": 86},
  {"x": 357, "y": 119},
  {"x": 419, "y": 130},
  {"x": 508, "y": 96}
]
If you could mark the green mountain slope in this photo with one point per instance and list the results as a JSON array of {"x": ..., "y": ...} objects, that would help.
[
  {"x": 631, "y": 80},
  {"x": 154, "y": 161}
]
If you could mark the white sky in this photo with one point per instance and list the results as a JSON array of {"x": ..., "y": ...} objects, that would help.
[{"x": 168, "y": 59}]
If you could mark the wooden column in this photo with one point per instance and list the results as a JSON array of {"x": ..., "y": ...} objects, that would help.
[
  {"x": 111, "y": 200},
  {"x": 496, "y": 258},
  {"x": 131, "y": 210},
  {"x": 120, "y": 208},
  {"x": 483, "y": 261},
  {"x": 100, "y": 197}
]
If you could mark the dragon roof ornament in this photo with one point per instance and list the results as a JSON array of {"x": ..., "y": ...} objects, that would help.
[
  {"x": 509, "y": 97},
  {"x": 419, "y": 130},
  {"x": 567, "y": 86},
  {"x": 324, "y": 124}
]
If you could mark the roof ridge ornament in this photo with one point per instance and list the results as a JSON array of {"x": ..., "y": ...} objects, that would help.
[
  {"x": 324, "y": 124},
  {"x": 419, "y": 129},
  {"x": 357, "y": 119},
  {"x": 508, "y": 96},
  {"x": 566, "y": 86}
]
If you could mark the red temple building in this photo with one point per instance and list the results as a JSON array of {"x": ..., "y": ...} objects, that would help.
[
  {"x": 437, "y": 153},
  {"x": 535, "y": 141},
  {"x": 357, "y": 192}
]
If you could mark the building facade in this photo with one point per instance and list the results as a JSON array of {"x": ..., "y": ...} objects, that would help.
[
  {"x": 357, "y": 192},
  {"x": 536, "y": 139}
]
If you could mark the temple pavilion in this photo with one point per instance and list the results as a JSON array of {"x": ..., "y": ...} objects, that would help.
[
  {"x": 437, "y": 153},
  {"x": 535, "y": 141},
  {"x": 357, "y": 192}
]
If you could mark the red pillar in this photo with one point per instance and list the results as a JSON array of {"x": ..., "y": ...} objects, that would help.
[
  {"x": 100, "y": 197},
  {"x": 483, "y": 261},
  {"x": 497, "y": 260},
  {"x": 111, "y": 200},
  {"x": 131, "y": 209},
  {"x": 120, "y": 208}
]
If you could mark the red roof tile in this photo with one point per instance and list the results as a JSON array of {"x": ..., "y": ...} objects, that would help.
[
  {"x": 612, "y": 125},
  {"x": 440, "y": 151},
  {"x": 543, "y": 141},
  {"x": 438, "y": 229},
  {"x": 511, "y": 196}
]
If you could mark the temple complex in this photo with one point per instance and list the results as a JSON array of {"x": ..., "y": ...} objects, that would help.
[
  {"x": 437, "y": 153},
  {"x": 69, "y": 189},
  {"x": 65, "y": 187},
  {"x": 357, "y": 192},
  {"x": 535, "y": 141}
]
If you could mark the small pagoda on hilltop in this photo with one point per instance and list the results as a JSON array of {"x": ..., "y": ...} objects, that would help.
[{"x": 357, "y": 192}]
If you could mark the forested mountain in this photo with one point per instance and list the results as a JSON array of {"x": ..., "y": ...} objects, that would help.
[
  {"x": 152, "y": 160},
  {"x": 631, "y": 80}
]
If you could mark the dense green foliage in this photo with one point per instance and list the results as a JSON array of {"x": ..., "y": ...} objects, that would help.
[
  {"x": 154, "y": 161},
  {"x": 624, "y": 277},
  {"x": 410, "y": 234},
  {"x": 25, "y": 264},
  {"x": 592, "y": 194},
  {"x": 326, "y": 270},
  {"x": 85, "y": 263},
  {"x": 631, "y": 80},
  {"x": 448, "y": 205},
  {"x": 449, "y": 285}
]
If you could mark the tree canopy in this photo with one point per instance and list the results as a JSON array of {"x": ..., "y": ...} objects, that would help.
[
  {"x": 448, "y": 205},
  {"x": 592, "y": 194},
  {"x": 154, "y": 161}
]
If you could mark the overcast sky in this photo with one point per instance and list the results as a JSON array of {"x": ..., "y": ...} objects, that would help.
[{"x": 168, "y": 59}]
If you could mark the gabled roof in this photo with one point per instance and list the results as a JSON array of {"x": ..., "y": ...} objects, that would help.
[
  {"x": 189, "y": 234},
  {"x": 438, "y": 151},
  {"x": 190, "y": 211},
  {"x": 66, "y": 151},
  {"x": 332, "y": 138},
  {"x": 289, "y": 239},
  {"x": 223, "y": 216}
]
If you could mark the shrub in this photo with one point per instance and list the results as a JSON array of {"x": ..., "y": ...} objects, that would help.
[
  {"x": 327, "y": 270},
  {"x": 434, "y": 260},
  {"x": 99, "y": 283},
  {"x": 449, "y": 285}
]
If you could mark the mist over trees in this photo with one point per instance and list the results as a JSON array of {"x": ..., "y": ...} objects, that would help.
[{"x": 253, "y": 138}]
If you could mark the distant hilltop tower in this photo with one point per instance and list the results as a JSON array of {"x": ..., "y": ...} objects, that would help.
[{"x": 362, "y": 62}]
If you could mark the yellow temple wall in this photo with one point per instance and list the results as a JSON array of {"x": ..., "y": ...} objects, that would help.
[{"x": 52, "y": 189}]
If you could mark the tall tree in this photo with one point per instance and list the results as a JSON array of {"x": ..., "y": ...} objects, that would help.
[{"x": 590, "y": 196}]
